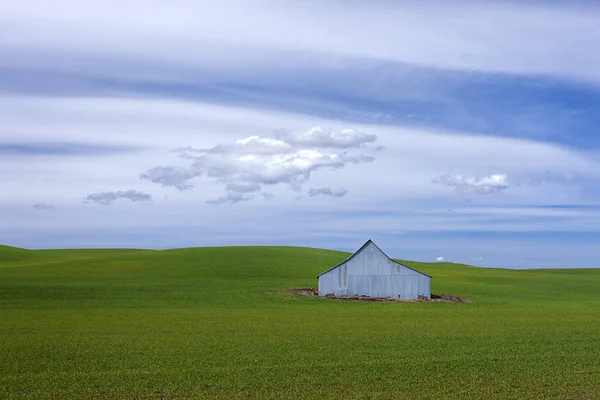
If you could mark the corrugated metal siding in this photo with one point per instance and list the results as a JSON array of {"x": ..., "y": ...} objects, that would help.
[{"x": 372, "y": 273}]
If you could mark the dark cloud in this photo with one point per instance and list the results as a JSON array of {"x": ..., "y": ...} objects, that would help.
[
  {"x": 327, "y": 191},
  {"x": 231, "y": 198}
]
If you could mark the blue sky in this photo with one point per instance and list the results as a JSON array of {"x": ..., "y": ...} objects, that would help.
[{"x": 467, "y": 131}]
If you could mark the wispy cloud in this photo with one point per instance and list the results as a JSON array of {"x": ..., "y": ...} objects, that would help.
[
  {"x": 240, "y": 32},
  {"x": 108, "y": 198},
  {"x": 60, "y": 149},
  {"x": 567, "y": 177}
]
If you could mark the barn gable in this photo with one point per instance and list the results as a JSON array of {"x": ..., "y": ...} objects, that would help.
[
  {"x": 369, "y": 271},
  {"x": 369, "y": 243}
]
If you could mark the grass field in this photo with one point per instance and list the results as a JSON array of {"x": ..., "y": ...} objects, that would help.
[{"x": 214, "y": 323}]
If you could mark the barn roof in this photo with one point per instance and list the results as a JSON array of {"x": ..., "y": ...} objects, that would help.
[{"x": 361, "y": 249}]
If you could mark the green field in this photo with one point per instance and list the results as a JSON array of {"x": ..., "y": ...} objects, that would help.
[{"x": 216, "y": 323}]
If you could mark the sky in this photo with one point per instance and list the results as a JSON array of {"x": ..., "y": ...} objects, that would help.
[{"x": 464, "y": 131}]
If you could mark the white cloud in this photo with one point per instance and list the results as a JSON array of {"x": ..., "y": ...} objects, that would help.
[
  {"x": 323, "y": 138},
  {"x": 254, "y": 162},
  {"x": 494, "y": 183},
  {"x": 440, "y": 259},
  {"x": 256, "y": 144}
]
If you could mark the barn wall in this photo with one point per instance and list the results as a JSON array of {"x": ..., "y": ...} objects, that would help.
[{"x": 372, "y": 273}]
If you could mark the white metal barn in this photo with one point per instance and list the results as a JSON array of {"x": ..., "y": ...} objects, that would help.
[{"x": 370, "y": 272}]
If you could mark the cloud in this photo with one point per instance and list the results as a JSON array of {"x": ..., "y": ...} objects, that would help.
[
  {"x": 440, "y": 259},
  {"x": 108, "y": 198},
  {"x": 327, "y": 191},
  {"x": 302, "y": 57},
  {"x": 563, "y": 177},
  {"x": 169, "y": 176},
  {"x": 43, "y": 206},
  {"x": 198, "y": 34},
  {"x": 475, "y": 185},
  {"x": 378, "y": 201},
  {"x": 231, "y": 198},
  {"x": 496, "y": 183},
  {"x": 247, "y": 165},
  {"x": 323, "y": 138},
  {"x": 60, "y": 149}
]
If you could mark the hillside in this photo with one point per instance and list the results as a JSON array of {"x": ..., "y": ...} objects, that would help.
[
  {"x": 217, "y": 323},
  {"x": 9, "y": 253}
]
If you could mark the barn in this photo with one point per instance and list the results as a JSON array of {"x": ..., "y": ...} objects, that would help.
[{"x": 370, "y": 272}]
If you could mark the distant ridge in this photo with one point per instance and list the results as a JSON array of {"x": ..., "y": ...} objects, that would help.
[{"x": 9, "y": 248}]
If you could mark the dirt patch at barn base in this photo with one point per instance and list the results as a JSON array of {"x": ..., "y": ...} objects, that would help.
[{"x": 434, "y": 297}]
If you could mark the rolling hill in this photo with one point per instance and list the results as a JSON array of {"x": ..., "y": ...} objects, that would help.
[{"x": 218, "y": 323}]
